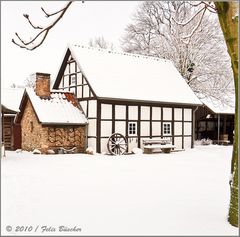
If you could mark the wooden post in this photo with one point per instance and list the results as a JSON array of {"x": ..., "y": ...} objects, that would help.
[
  {"x": 2, "y": 125},
  {"x": 224, "y": 124},
  {"x": 3, "y": 154},
  {"x": 218, "y": 128}
]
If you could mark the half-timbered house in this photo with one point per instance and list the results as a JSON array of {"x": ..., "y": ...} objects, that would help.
[{"x": 137, "y": 96}]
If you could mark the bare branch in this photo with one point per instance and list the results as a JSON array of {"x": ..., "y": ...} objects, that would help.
[
  {"x": 196, "y": 27},
  {"x": 50, "y": 14},
  {"x": 44, "y": 31},
  {"x": 189, "y": 20},
  {"x": 34, "y": 27}
]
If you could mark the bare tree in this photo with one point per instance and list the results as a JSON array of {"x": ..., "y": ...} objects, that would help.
[
  {"x": 228, "y": 16},
  {"x": 196, "y": 46},
  {"x": 229, "y": 19},
  {"x": 13, "y": 85},
  {"x": 100, "y": 42},
  {"x": 30, "y": 81}
]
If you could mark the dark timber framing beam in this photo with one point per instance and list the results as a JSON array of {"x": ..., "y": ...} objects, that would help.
[
  {"x": 98, "y": 126},
  {"x": 139, "y": 126},
  {"x": 182, "y": 128},
  {"x": 193, "y": 129},
  {"x": 173, "y": 141}
]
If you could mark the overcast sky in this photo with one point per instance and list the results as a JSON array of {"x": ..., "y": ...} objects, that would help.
[{"x": 81, "y": 22}]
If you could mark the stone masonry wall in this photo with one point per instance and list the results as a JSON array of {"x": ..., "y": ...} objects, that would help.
[
  {"x": 32, "y": 131},
  {"x": 36, "y": 135}
]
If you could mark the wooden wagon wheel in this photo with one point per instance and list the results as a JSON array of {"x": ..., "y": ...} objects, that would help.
[{"x": 117, "y": 144}]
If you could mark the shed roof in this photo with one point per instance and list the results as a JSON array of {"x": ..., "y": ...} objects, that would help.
[
  {"x": 219, "y": 107},
  {"x": 11, "y": 98},
  {"x": 132, "y": 77},
  {"x": 61, "y": 108}
]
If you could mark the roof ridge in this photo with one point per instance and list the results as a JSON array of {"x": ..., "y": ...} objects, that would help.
[{"x": 122, "y": 53}]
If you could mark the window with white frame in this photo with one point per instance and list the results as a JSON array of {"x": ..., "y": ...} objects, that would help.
[
  {"x": 166, "y": 128},
  {"x": 132, "y": 128}
]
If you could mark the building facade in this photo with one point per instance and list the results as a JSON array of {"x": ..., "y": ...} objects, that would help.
[{"x": 137, "y": 96}]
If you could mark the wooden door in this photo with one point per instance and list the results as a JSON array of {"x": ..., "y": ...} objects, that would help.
[{"x": 17, "y": 136}]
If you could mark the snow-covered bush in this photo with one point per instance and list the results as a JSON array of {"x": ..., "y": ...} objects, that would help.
[
  {"x": 90, "y": 151},
  {"x": 137, "y": 151},
  {"x": 206, "y": 141},
  {"x": 203, "y": 142}
]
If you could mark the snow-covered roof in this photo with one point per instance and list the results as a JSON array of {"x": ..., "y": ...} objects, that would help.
[
  {"x": 11, "y": 98},
  {"x": 218, "y": 107},
  {"x": 131, "y": 76},
  {"x": 61, "y": 108}
]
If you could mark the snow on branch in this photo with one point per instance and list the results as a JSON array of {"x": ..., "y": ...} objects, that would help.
[
  {"x": 196, "y": 27},
  {"x": 189, "y": 20},
  {"x": 31, "y": 44},
  {"x": 206, "y": 6}
]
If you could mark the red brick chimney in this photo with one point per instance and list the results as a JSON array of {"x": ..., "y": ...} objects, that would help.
[{"x": 42, "y": 85}]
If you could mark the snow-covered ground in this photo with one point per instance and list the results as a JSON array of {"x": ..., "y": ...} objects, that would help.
[{"x": 181, "y": 193}]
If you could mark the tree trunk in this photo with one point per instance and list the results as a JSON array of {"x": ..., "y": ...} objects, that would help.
[{"x": 228, "y": 18}]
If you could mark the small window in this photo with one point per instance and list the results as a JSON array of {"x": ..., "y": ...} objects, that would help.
[
  {"x": 73, "y": 80},
  {"x": 132, "y": 129},
  {"x": 166, "y": 128},
  {"x": 31, "y": 126}
]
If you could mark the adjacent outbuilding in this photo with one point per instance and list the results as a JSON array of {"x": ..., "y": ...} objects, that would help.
[
  {"x": 51, "y": 120},
  {"x": 11, "y": 132},
  {"x": 215, "y": 121}
]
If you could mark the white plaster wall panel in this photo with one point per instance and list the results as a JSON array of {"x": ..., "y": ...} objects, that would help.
[
  {"x": 145, "y": 128},
  {"x": 187, "y": 142},
  {"x": 178, "y": 142},
  {"x": 156, "y": 128},
  {"x": 156, "y": 113},
  {"x": 84, "y": 106},
  {"x": 92, "y": 108},
  {"x": 132, "y": 143},
  {"x": 167, "y": 113},
  {"x": 86, "y": 91},
  {"x": 145, "y": 113},
  {"x": 79, "y": 92},
  {"x": 177, "y": 128},
  {"x": 120, "y": 112},
  {"x": 104, "y": 142},
  {"x": 187, "y": 128},
  {"x": 141, "y": 143},
  {"x": 92, "y": 143},
  {"x": 79, "y": 78},
  {"x": 72, "y": 90},
  {"x": 106, "y": 111},
  {"x": 132, "y": 112},
  {"x": 106, "y": 128},
  {"x": 66, "y": 81},
  {"x": 92, "y": 124},
  {"x": 120, "y": 127},
  {"x": 61, "y": 83},
  {"x": 177, "y": 114},
  {"x": 187, "y": 115}
]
